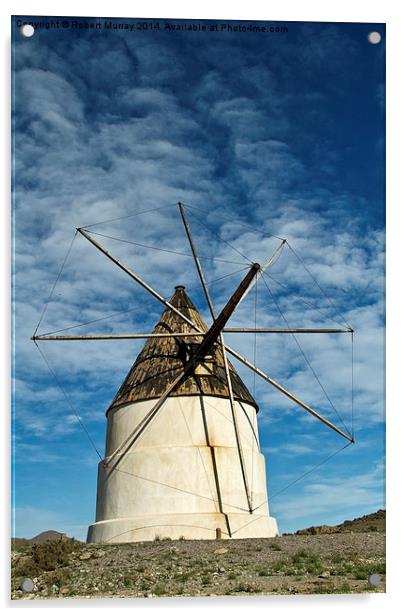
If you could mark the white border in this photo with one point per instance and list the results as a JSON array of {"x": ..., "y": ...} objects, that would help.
[{"x": 290, "y": 10}]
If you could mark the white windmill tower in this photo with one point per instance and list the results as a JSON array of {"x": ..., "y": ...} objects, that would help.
[
  {"x": 182, "y": 456},
  {"x": 187, "y": 473}
]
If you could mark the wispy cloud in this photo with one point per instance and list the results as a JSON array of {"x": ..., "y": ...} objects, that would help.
[{"x": 332, "y": 499}]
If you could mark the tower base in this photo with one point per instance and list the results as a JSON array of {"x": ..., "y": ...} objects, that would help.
[{"x": 183, "y": 526}]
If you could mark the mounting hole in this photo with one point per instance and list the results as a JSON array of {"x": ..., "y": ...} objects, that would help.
[
  {"x": 374, "y": 579},
  {"x": 374, "y": 38},
  {"x": 27, "y": 30},
  {"x": 27, "y": 585}
]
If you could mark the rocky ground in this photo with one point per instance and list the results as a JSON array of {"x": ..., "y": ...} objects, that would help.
[{"x": 330, "y": 562}]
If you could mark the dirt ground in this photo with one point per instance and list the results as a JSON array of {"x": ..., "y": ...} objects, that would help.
[{"x": 294, "y": 564}]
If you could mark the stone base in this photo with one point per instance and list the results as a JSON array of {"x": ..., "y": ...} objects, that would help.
[{"x": 179, "y": 526}]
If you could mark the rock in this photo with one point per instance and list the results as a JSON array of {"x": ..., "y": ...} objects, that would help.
[
  {"x": 324, "y": 575},
  {"x": 99, "y": 554},
  {"x": 54, "y": 588},
  {"x": 64, "y": 590},
  {"x": 86, "y": 556},
  {"x": 222, "y": 570},
  {"x": 221, "y": 551}
]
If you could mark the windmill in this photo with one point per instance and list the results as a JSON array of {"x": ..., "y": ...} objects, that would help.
[{"x": 182, "y": 455}]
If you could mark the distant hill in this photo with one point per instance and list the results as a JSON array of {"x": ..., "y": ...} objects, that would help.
[
  {"x": 47, "y": 535},
  {"x": 372, "y": 522}
]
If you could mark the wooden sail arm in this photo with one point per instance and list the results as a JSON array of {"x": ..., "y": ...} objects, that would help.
[
  {"x": 266, "y": 265},
  {"x": 136, "y": 277},
  {"x": 262, "y": 268},
  {"x": 197, "y": 262},
  {"x": 289, "y": 330},
  {"x": 139, "y": 429},
  {"x": 289, "y": 394},
  {"x": 226, "y": 330},
  {"x": 116, "y": 336},
  {"x": 224, "y": 354}
]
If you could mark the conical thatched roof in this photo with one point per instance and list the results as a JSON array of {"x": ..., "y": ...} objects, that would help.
[{"x": 162, "y": 359}]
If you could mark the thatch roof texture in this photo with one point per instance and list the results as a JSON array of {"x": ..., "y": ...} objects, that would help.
[{"x": 162, "y": 359}]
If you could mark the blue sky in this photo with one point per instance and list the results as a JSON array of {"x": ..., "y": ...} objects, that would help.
[{"x": 282, "y": 131}]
